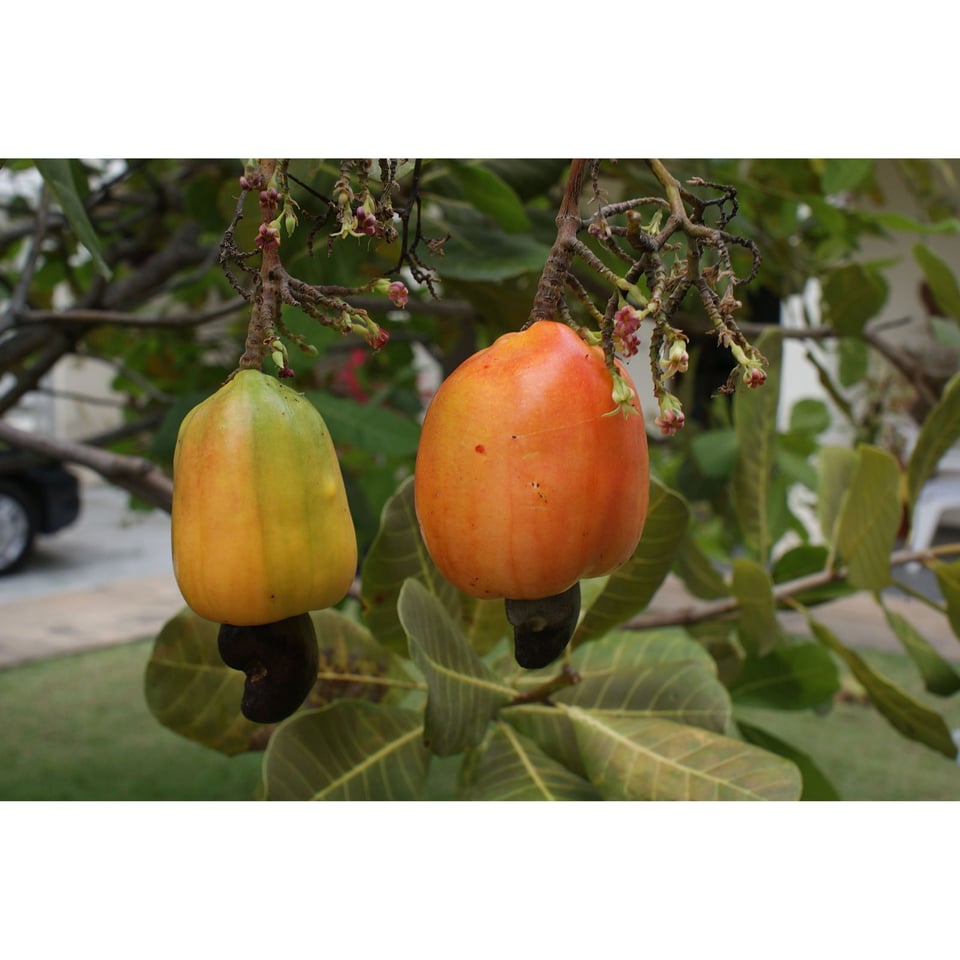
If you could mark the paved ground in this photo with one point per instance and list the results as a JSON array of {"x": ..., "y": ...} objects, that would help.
[
  {"x": 105, "y": 580},
  {"x": 109, "y": 579}
]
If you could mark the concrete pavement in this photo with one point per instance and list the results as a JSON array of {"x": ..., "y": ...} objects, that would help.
[{"x": 109, "y": 579}]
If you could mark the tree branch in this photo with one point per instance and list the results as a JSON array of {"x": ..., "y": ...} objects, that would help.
[
  {"x": 727, "y": 606},
  {"x": 121, "y": 319},
  {"x": 135, "y": 474}
]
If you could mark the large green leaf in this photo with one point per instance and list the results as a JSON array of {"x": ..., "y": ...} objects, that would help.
[
  {"x": 59, "y": 178},
  {"x": 489, "y": 194},
  {"x": 529, "y": 178},
  {"x": 484, "y": 623},
  {"x": 841, "y": 174},
  {"x": 686, "y": 692},
  {"x": 509, "y": 766},
  {"x": 940, "y": 431},
  {"x": 477, "y": 252},
  {"x": 758, "y": 626},
  {"x": 902, "y": 711},
  {"x": 815, "y": 785},
  {"x": 351, "y": 750},
  {"x": 398, "y": 552},
  {"x": 869, "y": 518},
  {"x": 190, "y": 690},
  {"x": 946, "y": 332},
  {"x": 353, "y": 665},
  {"x": 948, "y": 579},
  {"x": 463, "y": 693},
  {"x": 630, "y": 588},
  {"x": 653, "y": 759},
  {"x": 715, "y": 452},
  {"x": 940, "y": 279},
  {"x": 629, "y": 649},
  {"x": 804, "y": 560},
  {"x": 854, "y": 294},
  {"x": 789, "y": 678},
  {"x": 372, "y": 428},
  {"x": 939, "y": 677},
  {"x": 696, "y": 571},
  {"x": 755, "y": 421},
  {"x": 551, "y": 730},
  {"x": 627, "y": 673},
  {"x": 898, "y": 221},
  {"x": 836, "y": 468}
]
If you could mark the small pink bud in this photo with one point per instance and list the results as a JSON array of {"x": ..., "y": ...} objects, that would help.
[
  {"x": 398, "y": 294},
  {"x": 670, "y": 422}
]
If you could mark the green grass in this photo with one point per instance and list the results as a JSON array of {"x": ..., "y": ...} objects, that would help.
[
  {"x": 860, "y": 753},
  {"x": 78, "y": 728}
]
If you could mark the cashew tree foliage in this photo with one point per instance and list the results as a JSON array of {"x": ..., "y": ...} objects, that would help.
[{"x": 363, "y": 283}]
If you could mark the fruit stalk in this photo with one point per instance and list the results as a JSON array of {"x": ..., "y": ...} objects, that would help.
[
  {"x": 553, "y": 279},
  {"x": 266, "y": 300}
]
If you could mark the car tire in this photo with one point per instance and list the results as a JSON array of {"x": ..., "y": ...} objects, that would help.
[{"x": 18, "y": 526}]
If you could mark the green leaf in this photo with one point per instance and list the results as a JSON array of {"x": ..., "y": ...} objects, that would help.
[
  {"x": 903, "y": 712},
  {"x": 624, "y": 654},
  {"x": 372, "y": 428},
  {"x": 898, "y": 221},
  {"x": 351, "y": 750},
  {"x": 940, "y": 279},
  {"x": 651, "y": 759},
  {"x": 476, "y": 252},
  {"x": 58, "y": 177},
  {"x": 839, "y": 175},
  {"x": 940, "y": 431},
  {"x": 464, "y": 694},
  {"x": 755, "y": 421},
  {"x": 805, "y": 560},
  {"x": 353, "y": 665},
  {"x": 191, "y": 691},
  {"x": 853, "y": 361},
  {"x": 758, "y": 626},
  {"x": 397, "y": 553},
  {"x": 630, "y": 588},
  {"x": 509, "y": 766},
  {"x": 634, "y": 649},
  {"x": 948, "y": 579},
  {"x": 938, "y": 676},
  {"x": 491, "y": 195},
  {"x": 869, "y": 518},
  {"x": 529, "y": 178},
  {"x": 810, "y": 416},
  {"x": 551, "y": 730},
  {"x": 946, "y": 332},
  {"x": 815, "y": 785},
  {"x": 854, "y": 294},
  {"x": 484, "y": 623},
  {"x": 685, "y": 692},
  {"x": 715, "y": 453},
  {"x": 835, "y": 469},
  {"x": 696, "y": 571},
  {"x": 790, "y": 678}
]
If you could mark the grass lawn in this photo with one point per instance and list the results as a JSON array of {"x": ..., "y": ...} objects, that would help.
[
  {"x": 77, "y": 728},
  {"x": 860, "y": 753}
]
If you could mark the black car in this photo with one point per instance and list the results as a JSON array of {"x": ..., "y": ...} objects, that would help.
[{"x": 36, "y": 496}]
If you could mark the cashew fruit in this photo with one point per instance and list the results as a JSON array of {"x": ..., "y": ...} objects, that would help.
[
  {"x": 261, "y": 528},
  {"x": 528, "y": 477},
  {"x": 280, "y": 661}
]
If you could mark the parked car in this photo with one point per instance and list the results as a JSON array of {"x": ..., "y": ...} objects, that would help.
[{"x": 36, "y": 496}]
